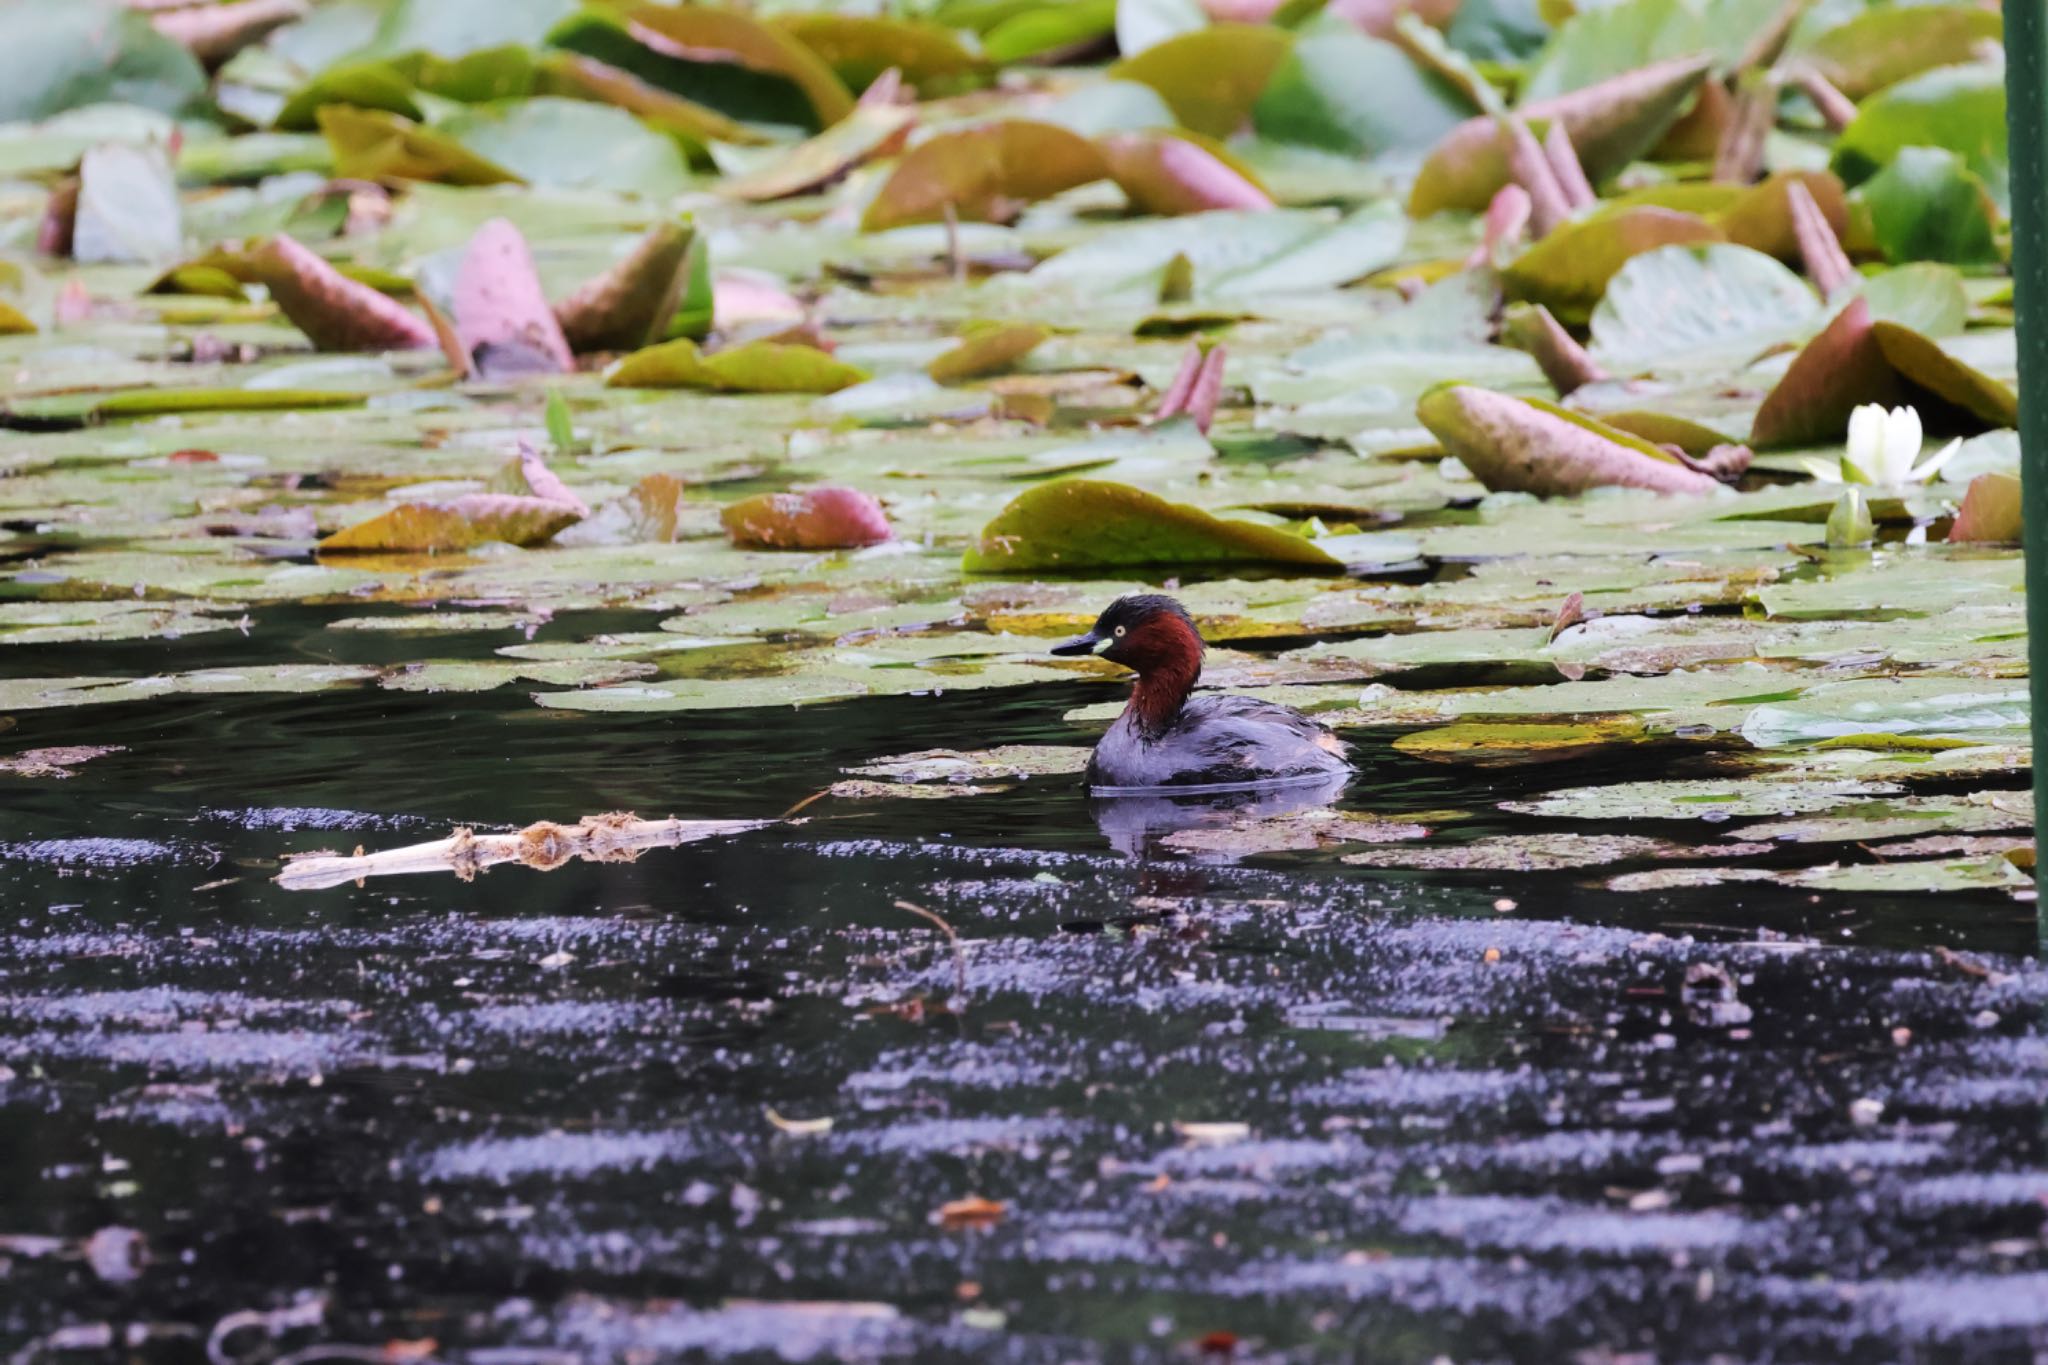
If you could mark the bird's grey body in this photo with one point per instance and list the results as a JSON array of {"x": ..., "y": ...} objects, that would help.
[
  {"x": 1168, "y": 739},
  {"x": 1217, "y": 741}
]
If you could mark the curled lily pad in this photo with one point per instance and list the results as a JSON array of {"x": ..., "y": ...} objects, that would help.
[
  {"x": 986, "y": 173},
  {"x": 1075, "y": 524},
  {"x": 692, "y": 124},
  {"x": 869, "y": 131},
  {"x": 825, "y": 518},
  {"x": 459, "y": 524},
  {"x": 986, "y": 349},
  {"x": 1927, "y": 364},
  {"x": 1168, "y": 173},
  {"x": 1044, "y": 32},
  {"x": 630, "y": 305},
  {"x": 1834, "y": 374},
  {"x": 1569, "y": 270},
  {"x": 752, "y": 367},
  {"x": 1611, "y": 124},
  {"x": 1990, "y": 511},
  {"x": 335, "y": 312},
  {"x": 1527, "y": 445},
  {"x": 860, "y": 47},
  {"x": 92, "y": 51},
  {"x": 743, "y": 39},
  {"x": 503, "y": 324},
  {"x": 1926, "y": 706},
  {"x": 370, "y": 144}
]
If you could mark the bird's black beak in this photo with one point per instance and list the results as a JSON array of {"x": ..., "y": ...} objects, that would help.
[{"x": 1080, "y": 644}]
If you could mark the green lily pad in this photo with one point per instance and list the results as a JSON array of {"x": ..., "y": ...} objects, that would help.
[
  {"x": 1003, "y": 763},
  {"x": 986, "y": 350},
  {"x": 751, "y": 367},
  {"x": 1927, "y": 206},
  {"x": 1359, "y": 95},
  {"x": 94, "y": 51},
  {"x": 860, "y": 47},
  {"x": 1925, "y": 706},
  {"x": 1570, "y": 270},
  {"x": 1610, "y": 40},
  {"x": 1211, "y": 77},
  {"x": 1699, "y": 304},
  {"x": 1699, "y": 799},
  {"x": 1959, "y": 108},
  {"x": 1075, "y": 525},
  {"x": 1882, "y": 46},
  {"x": 1523, "y": 853},
  {"x": 569, "y": 144}
]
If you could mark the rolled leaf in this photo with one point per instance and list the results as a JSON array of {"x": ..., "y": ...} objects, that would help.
[
  {"x": 1528, "y": 446},
  {"x": 335, "y": 312}
]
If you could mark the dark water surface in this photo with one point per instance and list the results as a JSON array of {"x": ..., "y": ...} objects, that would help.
[{"x": 1288, "y": 1108}]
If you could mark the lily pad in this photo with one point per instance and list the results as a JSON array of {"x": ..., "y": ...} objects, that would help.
[
  {"x": 985, "y": 350},
  {"x": 1927, "y": 206},
  {"x": 1991, "y": 511},
  {"x": 1079, "y": 524},
  {"x": 987, "y": 173},
  {"x": 1882, "y": 46},
  {"x": 1523, "y": 853},
  {"x": 1169, "y": 173},
  {"x": 93, "y": 51},
  {"x": 1358, "y": 95},
  {"x": 815, "y": 519},
  {"x": 869, "y": 131},
  {"x": 1611, "y": 124},
  {"x": 1004, "y": 763},
  {"x": 1530, "y": 446},
  {"x": 1569, "y": 270},
  {"x": 1959, "y": 108},
  {"x": 1699, "y": 799},
  {"x": 1211, "y": 77},
  {"x": 1699, "y": 304},
  {"x": 860, "y": 47},
  {"x": 460, "y": 524},
  {"x": 752, "y": 367}
]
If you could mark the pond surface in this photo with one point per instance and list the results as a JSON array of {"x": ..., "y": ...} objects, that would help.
[{"x": 1284, "y": 1107}]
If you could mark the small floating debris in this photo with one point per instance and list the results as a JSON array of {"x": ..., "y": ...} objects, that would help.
[{"x": 619, "y": 837}]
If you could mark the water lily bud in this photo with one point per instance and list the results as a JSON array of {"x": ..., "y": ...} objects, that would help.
[{"x": 1849, "y": 523}]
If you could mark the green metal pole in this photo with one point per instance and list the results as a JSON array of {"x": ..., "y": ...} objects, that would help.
[{"x": 2026, "y": 105}]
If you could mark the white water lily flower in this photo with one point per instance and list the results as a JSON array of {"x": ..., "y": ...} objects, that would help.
[{"x": 1883, "y": 450}]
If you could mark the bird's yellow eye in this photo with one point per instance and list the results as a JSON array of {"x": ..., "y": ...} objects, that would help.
[{"x": 1119, "y": 630}]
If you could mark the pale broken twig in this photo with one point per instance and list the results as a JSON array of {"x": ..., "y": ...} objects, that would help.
[{"x": 616, "y": 838}]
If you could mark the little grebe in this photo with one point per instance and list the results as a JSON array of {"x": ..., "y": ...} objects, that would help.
[{"x": 1163, "y": 739}]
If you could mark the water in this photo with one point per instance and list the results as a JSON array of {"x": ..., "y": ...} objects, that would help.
[{"x": 1286, "y": 1109}]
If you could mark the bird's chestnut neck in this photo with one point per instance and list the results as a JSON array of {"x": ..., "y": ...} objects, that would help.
[{"x": 1167, "y": 654}]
